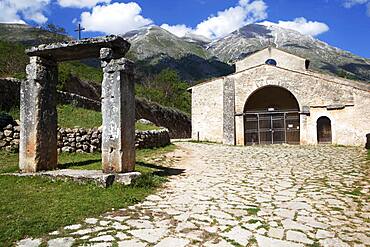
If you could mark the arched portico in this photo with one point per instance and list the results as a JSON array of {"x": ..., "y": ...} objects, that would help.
[{"x": 271, "y": 116}]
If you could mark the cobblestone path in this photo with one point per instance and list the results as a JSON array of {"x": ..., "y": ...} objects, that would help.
[{"x": 243, "y": 196}]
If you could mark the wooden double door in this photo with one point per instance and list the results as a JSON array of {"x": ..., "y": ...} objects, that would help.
[{"x": 271, "y": 128}]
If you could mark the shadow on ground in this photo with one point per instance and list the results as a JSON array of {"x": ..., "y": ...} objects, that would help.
[
  {"x": 161, "y": 170},
  {"x": 158, "y": 170},
  {"x": 81, "y": 163}
]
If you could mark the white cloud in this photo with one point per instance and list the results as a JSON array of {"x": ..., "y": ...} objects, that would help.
[
  {"x": 225, "y": 21},
  {"x": 81, "y": 3},
  {"x": 17, "y": 11},
  {"x": 312, "y": 28},
  {"x": 116, "y": 18},
  {"x": 178, "y": 30},
  {"x": 351, "y": 3}
]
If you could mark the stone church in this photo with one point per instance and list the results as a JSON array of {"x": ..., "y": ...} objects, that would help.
[{"x": 273, "y": 98}]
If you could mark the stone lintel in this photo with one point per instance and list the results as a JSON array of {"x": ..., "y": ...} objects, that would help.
[
  {"x": 80, "y": 49},
  {"x": 336, "y": 107}
]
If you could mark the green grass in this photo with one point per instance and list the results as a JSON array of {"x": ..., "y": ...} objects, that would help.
[
  {"x": 80, "y": 70},
  {"x": 355, "y": 192},
  {"x": 253, "y": 211},
  {"x": 32, "y": 207},
  {"x": 70, "y": 117}
]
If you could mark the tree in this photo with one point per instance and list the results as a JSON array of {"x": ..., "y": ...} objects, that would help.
[{"x": 167, "y": 89}]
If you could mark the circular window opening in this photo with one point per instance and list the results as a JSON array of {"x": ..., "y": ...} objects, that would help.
[{"x": 271, "y": 62}]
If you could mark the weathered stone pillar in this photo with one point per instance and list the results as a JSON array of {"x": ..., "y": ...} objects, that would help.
[
  {"x": 118, "y": 109},
  {"x": 229, "y": 112},
  {"x": 38, "y": 113}
]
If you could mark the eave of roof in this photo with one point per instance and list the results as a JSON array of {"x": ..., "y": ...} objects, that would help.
[{"x": 361, "y": 85}]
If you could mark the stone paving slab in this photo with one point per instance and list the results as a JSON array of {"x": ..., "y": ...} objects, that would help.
[{"x": 289, "y": 196}]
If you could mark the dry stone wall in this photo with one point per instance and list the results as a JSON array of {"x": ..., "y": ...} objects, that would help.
[
  {"x": 80, "y": 140},
  {"x": 177, "y": 122}
]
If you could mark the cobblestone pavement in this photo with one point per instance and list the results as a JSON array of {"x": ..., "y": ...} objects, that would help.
[{"x": 243, "y": 196}]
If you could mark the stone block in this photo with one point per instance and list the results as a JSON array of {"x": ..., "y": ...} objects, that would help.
[
  {"x": 80, "y": 49},
  {"x": 126, "y": 178},
  {"x": 2, "y": 143}
]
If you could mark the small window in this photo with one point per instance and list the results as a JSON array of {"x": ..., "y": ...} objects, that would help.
[
  {"x": 307, "y": 64},
  {"x": 271, "y": 62}
]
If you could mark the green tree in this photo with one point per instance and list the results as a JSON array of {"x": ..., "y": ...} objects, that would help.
[{"x": 167, "y": 89}]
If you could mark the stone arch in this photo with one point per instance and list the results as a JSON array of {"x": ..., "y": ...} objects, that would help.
[
  {"x": 275, "y": 93},
  {"x": 324, "y": 130},
  {"x": 271, "y": 116},
  {"x": 246, "y": 90}
]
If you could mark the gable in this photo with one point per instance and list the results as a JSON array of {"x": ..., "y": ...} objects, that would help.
[{"x": 283, "y": 60}]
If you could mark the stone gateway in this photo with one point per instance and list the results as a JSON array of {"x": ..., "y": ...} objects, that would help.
[
  {"x": 274, "y": 98},
  {"x": 38, "y": 97}
]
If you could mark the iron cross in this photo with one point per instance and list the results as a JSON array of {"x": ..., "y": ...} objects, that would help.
[{"x": 79, "y": 29}]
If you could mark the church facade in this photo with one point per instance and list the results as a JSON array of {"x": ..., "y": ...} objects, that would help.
[{"x": 274, "y": 98}]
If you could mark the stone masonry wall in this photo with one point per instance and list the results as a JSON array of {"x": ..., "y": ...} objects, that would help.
[
  {"x": 177, "y": 122},
  {"x": 82, "y": 140},
  {"x": 345, "y": 103}
]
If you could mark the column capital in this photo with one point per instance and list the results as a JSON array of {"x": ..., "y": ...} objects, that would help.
[{"x": 121, "y": 64}]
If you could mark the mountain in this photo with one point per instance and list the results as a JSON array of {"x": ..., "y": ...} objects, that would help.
[
  {"x": 325, "y": 58},
  {"x": 155, "y": 49},
  {"x": 28, "y": 35},
  {"x": 197, "y": 58}
]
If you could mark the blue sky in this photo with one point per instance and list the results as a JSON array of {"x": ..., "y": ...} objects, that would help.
[{"x": 341, "y": 23}]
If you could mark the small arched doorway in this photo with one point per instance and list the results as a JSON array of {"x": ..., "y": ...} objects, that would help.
[
  {"x": 271, "y": 116},
  {"x": 324, "y": 135}
]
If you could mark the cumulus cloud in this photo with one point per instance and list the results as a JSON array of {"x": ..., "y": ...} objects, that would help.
[
  {"x": 312, "y": 28},
  {"x": 20, "y": 10},
  {"x": 81, "y": 3},
  {"x": 226, "y": 21},
  {"x": 116, "y": 18},
  {"x": 178, "y": 30}
]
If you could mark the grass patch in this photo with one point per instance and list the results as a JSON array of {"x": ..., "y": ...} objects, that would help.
[
  {"x": 70, "y": 116},
  {"x": 32, "y": 207},
  {"x": 355, "y": 192},
  {"x": 315, "y": 244},
  {"x": 368, "y": 154},
  {"x": 253, "y": 211}
]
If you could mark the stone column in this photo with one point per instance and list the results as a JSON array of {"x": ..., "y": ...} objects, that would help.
[
  {"x": 229, "y": 112},
  {"x": 118, "y": 109},
  {"x": 38, "y": 113}
]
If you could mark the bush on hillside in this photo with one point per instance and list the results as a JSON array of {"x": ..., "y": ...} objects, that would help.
[{"x": 167, "y": 89}]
